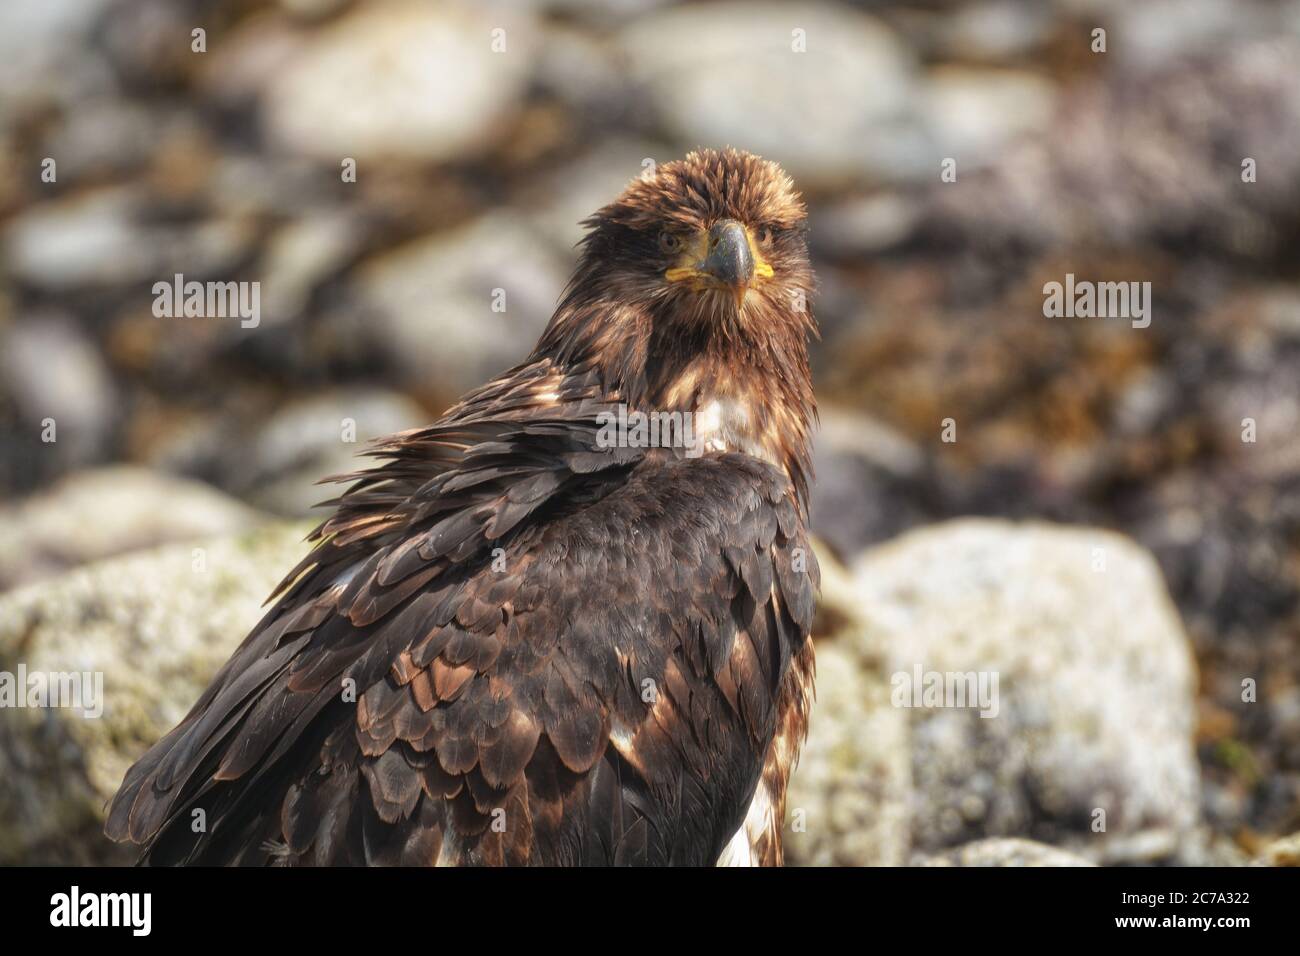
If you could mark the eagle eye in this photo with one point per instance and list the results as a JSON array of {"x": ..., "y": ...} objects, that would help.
[{"x": 670, "y": 242}]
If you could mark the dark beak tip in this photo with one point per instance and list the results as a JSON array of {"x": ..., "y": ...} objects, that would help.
[{"x": 730, "y": 260}]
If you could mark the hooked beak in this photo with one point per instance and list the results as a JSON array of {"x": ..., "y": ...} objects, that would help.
[
  {"x": 726, "y": 259},
  {"x": 729, "y": 258}
]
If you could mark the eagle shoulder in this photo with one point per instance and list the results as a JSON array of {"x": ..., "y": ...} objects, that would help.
[{"x": 560, "y": 655}]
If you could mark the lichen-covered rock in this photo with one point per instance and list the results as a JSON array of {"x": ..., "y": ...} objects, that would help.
[
  {"x": 686, "y": 60},
  {"x": 1283, "y": 852},
  {"x": 425, "y": 81},
  {"x": 848, "y": 800},
  {"x": 156, "y": 625},
  {"x": 1003, "y": 851},
  {"x": 1090, "y": 712},
  {"x": 106, "y": 511}
]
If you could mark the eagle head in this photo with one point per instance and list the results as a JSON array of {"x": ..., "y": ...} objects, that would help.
[
  {"x": 711, "y": 246},
  {"x": 719, "y": 236},
  {"x": 693, "y": 292}
]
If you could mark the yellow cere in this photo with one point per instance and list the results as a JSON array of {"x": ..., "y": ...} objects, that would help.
[
  {"x": 761, "y": 267},
  {"x": 697, "y": 251}
]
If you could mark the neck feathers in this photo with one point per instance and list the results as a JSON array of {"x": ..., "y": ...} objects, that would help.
[{"x": 746, "y": 382}]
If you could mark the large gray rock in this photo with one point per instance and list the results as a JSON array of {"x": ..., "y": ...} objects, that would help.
[
  {"x": 1003, "y": 851},
  {"x": 972, "y": 114},
  {"x": 301, "y": 255},
  {"x": 44, "y": 55},
  {"x": 848, "y": 799},
  {"x": 325, "y": 434},
  {"x": 95, "y": 514},
  {"x": 53, "y": 371},
  {"x": 275, "y": 461},
  {"x": 415, "y": 81},
  {"x": 729, "y": 74},
  {"x": 89, "y": 239},
  {"x": 993, "y": 30},
  {"x": 101, "y": 239},
  {"x": 156, "y": 625},
  {"x": 1094, "y": 706},
  {"x": 1093, "y": 709},
  {"x": 431, "y": 301}
]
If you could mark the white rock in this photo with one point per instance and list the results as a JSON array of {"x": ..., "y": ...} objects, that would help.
[
  {"x": 302, "y": 254},
  {"x": 723, "y": 74},
  {"x": 996, "y": 29},
  {"x": 53, "y": 371},
  {"x": 156, "y": 625},
  {"x": 313, "y": 438},
  {"x": 97, "y": 239},
  {"x": 973, "y": 114},
  {"x": 433, "y": 299},
  {"x": 1159, "y": 31},
  {"x": 1005, "y": 852},
  {"x": 584, "y": 71},
  {"x": 864, "y": 225},
  {"x": 847, "y": 804},
  {"x": 95, "y": 514},
  {"x": 401, "y": 79},
  {"x": 1094, "y": 704},
  {"x": 44, "y": 52},
  {"x": 83, "y": 240}
]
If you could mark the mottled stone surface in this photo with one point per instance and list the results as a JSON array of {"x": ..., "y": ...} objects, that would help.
[
  {"x": 1095, "y": 680},
  {"x": 156, "y": 625},
  {"x": 401, "y": 79},
  {"x": 1090, "y": 720},
  {"x": 1005, "y": 851},
  {"x": 848, "y": 801},
  {"x": 106, "y": 511}
]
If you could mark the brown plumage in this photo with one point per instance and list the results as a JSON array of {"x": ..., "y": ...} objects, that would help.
[{"x": 516, "y": 643}]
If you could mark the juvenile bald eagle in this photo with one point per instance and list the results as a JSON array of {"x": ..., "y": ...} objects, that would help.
[{"x": 518, "y": 642}]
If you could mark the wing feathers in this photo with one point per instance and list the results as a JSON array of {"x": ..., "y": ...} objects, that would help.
[{"x": 599, "y": 688}]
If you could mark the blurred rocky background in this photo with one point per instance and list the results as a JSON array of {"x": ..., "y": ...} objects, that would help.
[{"x": 479, "y": 137}]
